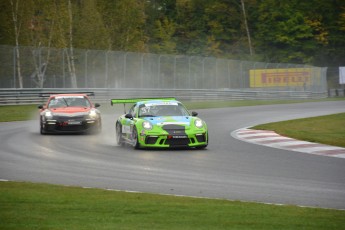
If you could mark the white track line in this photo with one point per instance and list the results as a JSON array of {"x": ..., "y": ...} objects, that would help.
[{"x": 274, "y": 140}]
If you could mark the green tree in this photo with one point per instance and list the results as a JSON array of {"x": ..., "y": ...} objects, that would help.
[
  {"x": 342, "y": 19},
  {"x": 20, "y": 17},
  {"x": 223, "y": 26},
  {"x": 125, "y": 22},
  {"x": 6, "y": 23},
  {"x": 326, "y": 16},
  {"x": 163, "y": 37},
  {"x": 160, "y": 26},
  {"x": 282, "y": 33},
  {"x": 213, "y": 28},
  {"x": 90, "y": 31},
  {"x": 41, "y": 27},
  {"x": 191, "y": 27}
]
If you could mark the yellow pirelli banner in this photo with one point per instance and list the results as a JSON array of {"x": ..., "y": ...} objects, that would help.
[{"x": 280, "y": 77}]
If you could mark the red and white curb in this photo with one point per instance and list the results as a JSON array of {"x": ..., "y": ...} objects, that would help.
[{"x": 272, "y": 139}]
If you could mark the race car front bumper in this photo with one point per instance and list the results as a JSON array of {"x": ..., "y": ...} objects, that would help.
[
  {"x": 173, "y": 141},
  {"x": 69, "y": 126}
]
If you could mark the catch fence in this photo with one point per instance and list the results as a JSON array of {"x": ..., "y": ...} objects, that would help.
[{"x": 49, "y": 68}]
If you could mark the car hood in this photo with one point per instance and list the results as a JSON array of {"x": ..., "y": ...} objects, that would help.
[
  {"x": 170, "y": 120},
  {"x": 70, "y": 110}
]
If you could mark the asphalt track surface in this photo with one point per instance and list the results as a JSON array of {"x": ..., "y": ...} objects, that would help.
[{"x": 227, "y": 169}]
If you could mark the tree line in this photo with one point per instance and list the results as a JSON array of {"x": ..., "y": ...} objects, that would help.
[{"x": 295, "y": 31}]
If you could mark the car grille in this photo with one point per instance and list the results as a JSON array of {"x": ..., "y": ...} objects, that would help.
[
  {"x": 74, "y": 128},
  {"x": 178, "y": 130},
  {"x": 174, "y": 129},
  {"x": 177, "y": 141},
  {"x": 151, "y": 140},
  {"x": 66, "y": 118}
]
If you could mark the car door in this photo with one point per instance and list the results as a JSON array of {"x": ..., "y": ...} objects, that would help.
[{"x": 128, "y": 122}]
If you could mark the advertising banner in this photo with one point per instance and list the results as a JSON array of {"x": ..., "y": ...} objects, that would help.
[{"x": 280, "y": 77}]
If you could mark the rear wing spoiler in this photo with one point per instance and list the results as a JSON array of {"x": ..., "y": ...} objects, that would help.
[
  {"x": 134, "y": 100},
  {"x": 48, "y": 94}
]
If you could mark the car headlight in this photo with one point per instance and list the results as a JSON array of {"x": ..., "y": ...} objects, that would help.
[
  {"x": 198, "y": 123},
  {"x": 93, "y": 113},
  {"x": 48, "y": 115},
  {"x": 147, "y": 125}
]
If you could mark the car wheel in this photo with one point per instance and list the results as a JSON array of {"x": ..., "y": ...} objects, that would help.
[
  {"x": 42, "y": 131},
  {"x": 99, "y": 127},
  {"x": 201, "y": 147},
  {"x": 135, "y": 140},
  {"x": 119, "y": 139}
]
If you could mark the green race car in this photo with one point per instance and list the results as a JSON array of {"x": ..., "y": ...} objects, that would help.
[{"x": 159, "y": 123}]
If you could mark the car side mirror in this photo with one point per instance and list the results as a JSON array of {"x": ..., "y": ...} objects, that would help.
[
  {"x": 194, "y": 114},
  {"x": 97, "y": 105},
  {"x": 40, "y": 106},
  {"x": 129, "y": 116}
]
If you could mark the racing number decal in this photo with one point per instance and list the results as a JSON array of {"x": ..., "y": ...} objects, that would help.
[{"x": 126, "y": 129}]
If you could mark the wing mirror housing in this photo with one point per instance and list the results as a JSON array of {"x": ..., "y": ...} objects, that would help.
[
  {"x": 194, "y": 114},
  {"x": 129, "y": 116}
]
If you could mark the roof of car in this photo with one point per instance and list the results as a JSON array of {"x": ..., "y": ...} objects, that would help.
[
  {"x": 156, "y": 102},
  {"x": 139, "y": 100},
  {"x": 68, "y": 94}
]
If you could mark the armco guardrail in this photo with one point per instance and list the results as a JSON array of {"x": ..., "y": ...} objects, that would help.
[
  {"x": 32, "y": 96},
  {"x": 336, "y": 93}
]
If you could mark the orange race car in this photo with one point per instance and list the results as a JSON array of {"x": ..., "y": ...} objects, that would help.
[{"x": 66, "y": 113}]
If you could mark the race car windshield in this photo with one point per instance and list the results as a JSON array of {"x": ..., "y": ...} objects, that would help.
[
  {"x": 59, "y": 102},
  {"x": 164, "y": 109}
]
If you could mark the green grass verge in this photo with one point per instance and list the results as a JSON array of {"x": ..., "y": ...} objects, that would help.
[
  {"x": 17, "y": 112},
  {"x": 240, "y": 103},
  {"x": 42, "y": 206},
  {"x": 328, "y": 129}
]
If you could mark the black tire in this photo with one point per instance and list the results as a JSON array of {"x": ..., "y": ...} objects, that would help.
[
  {"x": 201, "y": 147},
  {"x": 42, "y": 131},
  {"x": 99, "y": 127},
  {"x": 119, "y": 139},
  {"x": 135, "y": 140}
]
